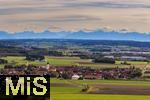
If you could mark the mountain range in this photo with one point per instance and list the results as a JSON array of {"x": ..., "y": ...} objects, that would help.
[{"x": 94, "y": 35}]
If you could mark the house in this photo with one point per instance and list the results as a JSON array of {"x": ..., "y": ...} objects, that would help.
[
  {"x": 147, "y": 71},
  {"x": 92, "y": 77},
  {"x": 75, "y": 77},
  {"x": 52, "y": 69}
]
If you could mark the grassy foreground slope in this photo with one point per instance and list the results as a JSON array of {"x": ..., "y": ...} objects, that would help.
[
  {"x": 96, "y": 97},
  {"x": 66, "y": 92}
]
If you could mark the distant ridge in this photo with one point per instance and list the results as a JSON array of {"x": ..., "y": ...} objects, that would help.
[{"x": 95, "y": 35}]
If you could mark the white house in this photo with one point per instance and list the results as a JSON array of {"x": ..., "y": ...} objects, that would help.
[{"x": 75, "y": 77}]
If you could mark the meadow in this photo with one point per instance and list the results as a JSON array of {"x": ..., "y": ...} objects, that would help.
[
  {"x": 96, "y": 97},
  {"x": 111, "y": 82},
  {"x": 67, "y": 92},
  {"x": 71, "y": 61}
]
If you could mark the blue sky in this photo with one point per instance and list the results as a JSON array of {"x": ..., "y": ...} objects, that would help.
[{"x": 75, "y": 15}]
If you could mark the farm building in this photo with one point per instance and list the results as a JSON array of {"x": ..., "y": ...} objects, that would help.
[{"x": 75, "y": 77}]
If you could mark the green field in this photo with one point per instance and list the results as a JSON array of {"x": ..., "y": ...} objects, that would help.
[
  {"x": 96, "y": 97},
  {"x": 74, "y": 93},
  {"x": 57, "y": 61},
  {"x": 69, "y": 61},
  {"x": 111, "y": 82}
]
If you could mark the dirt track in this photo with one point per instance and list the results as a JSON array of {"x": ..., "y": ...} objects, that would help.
[{"x": 119, "y": 89}]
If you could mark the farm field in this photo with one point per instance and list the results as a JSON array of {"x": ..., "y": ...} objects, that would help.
[
  {"x": 69, "y": 61},
  {"x": 91, "y": 82},
  {"x": 56, "y": 61},
  {"x": 96, "y": 97},
  {"x": 71, "y": 90}
]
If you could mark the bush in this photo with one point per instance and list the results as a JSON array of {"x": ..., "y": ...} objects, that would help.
[{"x": 86, "y": 88}]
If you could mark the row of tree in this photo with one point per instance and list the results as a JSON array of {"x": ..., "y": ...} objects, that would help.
[
  {"x": 3, "y": 61},
  {"x": 35, "y": 57},
  {"x": 104, "y": 60}
]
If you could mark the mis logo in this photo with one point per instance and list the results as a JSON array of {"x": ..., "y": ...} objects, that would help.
[{"x": 25, "y": 86}]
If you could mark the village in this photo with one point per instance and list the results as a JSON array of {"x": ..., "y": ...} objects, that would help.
[{"x": 74, "y": 72}]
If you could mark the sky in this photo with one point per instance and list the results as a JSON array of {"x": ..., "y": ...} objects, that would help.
[{"x": 75, "y": 15}]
